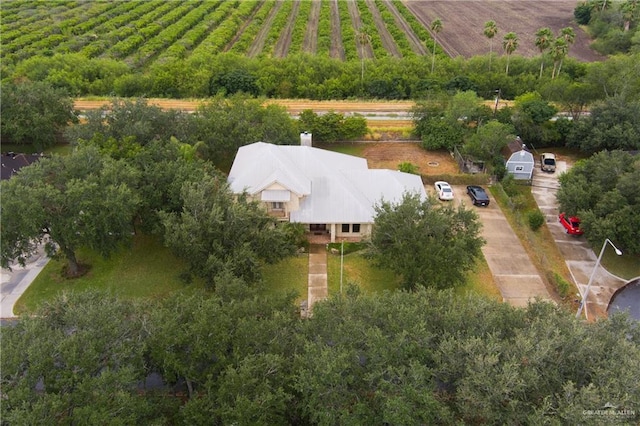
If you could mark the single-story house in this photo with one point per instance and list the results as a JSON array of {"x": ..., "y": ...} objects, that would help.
[
  {"x": 329, "y": 192},
  {"x": 521, "y": 164}
]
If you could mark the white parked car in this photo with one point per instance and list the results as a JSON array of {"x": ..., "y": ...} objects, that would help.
[{"x": 444, "y": 190}]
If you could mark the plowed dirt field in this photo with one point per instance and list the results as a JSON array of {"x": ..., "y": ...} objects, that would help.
[{"x": 463, "y": 24}]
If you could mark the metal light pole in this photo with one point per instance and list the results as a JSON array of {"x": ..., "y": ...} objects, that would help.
[
  {"x": 341, "y": 263},
  {"x": 586, "y": 293}
]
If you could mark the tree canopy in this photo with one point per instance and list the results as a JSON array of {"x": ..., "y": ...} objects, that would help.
[
  {"x": 67, "y": 202},
  {"x": 424, "y": 357},
  {"x": 218, "y": 232},
  {"x": 34, "y": 114},
  {"x": 602, "y": 191},
  {"x": 422, "y": 239}
]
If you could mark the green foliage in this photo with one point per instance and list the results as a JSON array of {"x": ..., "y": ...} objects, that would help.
[
  {"x": 34, "y": 114},
  {"x": 489, "y": 139},
  {"x": 332, "y": 126},
  {"x": 536, "y": 219},
  {"x": 79, "y": 200},
  {"x": 582, "y": 13},
  {"x": 563, "y": 286},
  {"x": 421, "y": 239},
  {"x": 408, "y": 167},
  {"x": 612, "y": 124},
  {"x": 125, "y": 122},
  {"x": 531, "y": 114},
  {"x": 219, "y": 233},
  {"x": 347, "y": 247},
  {"x": 602, "y": 191},
  {"x": 224, "y": 125},
  {"x": 401, "y": 358}
]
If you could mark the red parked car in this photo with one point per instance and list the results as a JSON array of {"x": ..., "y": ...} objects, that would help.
[{"x": 571, "y": 224}]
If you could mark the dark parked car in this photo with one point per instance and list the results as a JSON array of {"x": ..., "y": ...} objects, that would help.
[
  {"x": 571, "y": 224},
  {"x": 478, "y": 195}
]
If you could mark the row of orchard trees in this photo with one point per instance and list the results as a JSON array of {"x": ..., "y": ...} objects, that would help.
[
  {"x": 236, "y": 358},
  {"x": 316, "y": 77}
]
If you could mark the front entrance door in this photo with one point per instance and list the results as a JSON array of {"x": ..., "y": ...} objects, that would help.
[{"x": 318, "y": 228}]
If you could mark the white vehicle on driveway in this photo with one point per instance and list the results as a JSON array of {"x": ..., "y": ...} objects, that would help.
[{"x": 444, "y": 190}]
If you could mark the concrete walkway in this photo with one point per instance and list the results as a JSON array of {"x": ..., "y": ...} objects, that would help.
[
  {"x": 16, "y": 281},
  {"x": 577, "y": 253},
  {"x": 513, "y": 272},
  {"x": 317, "y": 287}
]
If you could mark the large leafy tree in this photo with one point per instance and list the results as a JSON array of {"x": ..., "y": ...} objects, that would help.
[
  {"x": 486, "y": 143},
  {"x": 217, "y": 232},
  {"x": 397, "y": 358},
  {"x": 124, "y": 122},
  {"x": 225, "y": 124},
  {"x": 78, "y": 362},
  {"x": 531, "y": 118},
  {"x": 602, "y": 190},
  {"x": 67, "y": 202},
  {"x": 612, "y": 124},
  {"x": 34, "y": 114},
  {"x": 421, "y": 240}
]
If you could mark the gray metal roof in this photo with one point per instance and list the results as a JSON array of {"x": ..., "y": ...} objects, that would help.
[{"x": 338, "y": 188}]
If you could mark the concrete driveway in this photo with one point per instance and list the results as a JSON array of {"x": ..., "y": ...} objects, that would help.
[
  {"x": 16, "y": 281},
  {"x": 514, "y": 273},
  {"x": 578, "y": 255}
]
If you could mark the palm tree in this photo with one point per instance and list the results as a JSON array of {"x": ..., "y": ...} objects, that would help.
[
  {"x": 629, "y": 9},
  {"x": 510, "y": 44},
  {"x": 436, "y": 27},
  {"x": 363, "y": 39},
  {"x": 490, "y": 30},
  {"x": 558, "y": 52},
  {"x": 544, "y": 38},
  {"x": 569, "y": 36}
]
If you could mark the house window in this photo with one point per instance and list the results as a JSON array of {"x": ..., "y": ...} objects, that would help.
[
  {"x": 345, "y": 227},
  {"x": 519, "y": 168},
  {"x": 355, "y": 228},
  {"x": 277, "y": 205}
]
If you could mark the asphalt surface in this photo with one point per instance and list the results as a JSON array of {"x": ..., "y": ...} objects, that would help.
[{"x": 515, "y": 275}]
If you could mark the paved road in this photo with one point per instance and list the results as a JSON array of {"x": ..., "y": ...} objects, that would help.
[
  {"x": 514, "y": 273},
  {"x": 578, "y": 255},
  {"x": 16, "y": 281}
]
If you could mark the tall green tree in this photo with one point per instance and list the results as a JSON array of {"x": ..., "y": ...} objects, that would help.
[
  {"x": 217, "y": 232},
  {"x": 436, "y": 27},
  {"x": 602, "y": 190},
  {"x": 569, "y": 36},
  {"x": 544, "y": 38},
  {"x": 421, "y": 239},
  {"x": 612, "y": 124},
  {"x": 363, "y": 37},
  {"x": 67, "y": 202},
  {"x": 509, "y": 44},
  {"x": 34, "y": 113},
  {"x": 486, "y": 143},
  {"x": 490, "y": 31}
]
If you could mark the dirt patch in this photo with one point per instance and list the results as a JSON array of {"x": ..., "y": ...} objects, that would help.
[
  {"x": 282, "y": 46},
  {"x": 310, "y": 39},
  {"x": 388, "y": 155},
  {"x": 337, "y": 50}
]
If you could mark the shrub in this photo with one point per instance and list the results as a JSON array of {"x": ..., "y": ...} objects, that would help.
[
  {"x": 563, "y": 286},
  {"x": 536, "y": 219},
  {"x": 407, "y": 167}
]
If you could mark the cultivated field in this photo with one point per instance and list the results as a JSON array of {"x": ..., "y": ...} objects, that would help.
[
  {"x": 463, "y": 24},
  {"x": 142, "y": 33}
]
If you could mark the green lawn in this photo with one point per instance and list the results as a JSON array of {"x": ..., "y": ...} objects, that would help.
[
  {"x": 288, "y": 274},
  {"x": 360, "y": 271},
  {"x": 625, "y": 266},
  {"x": 355, "y": 149},
  {"x": 147, "y": 269}
]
